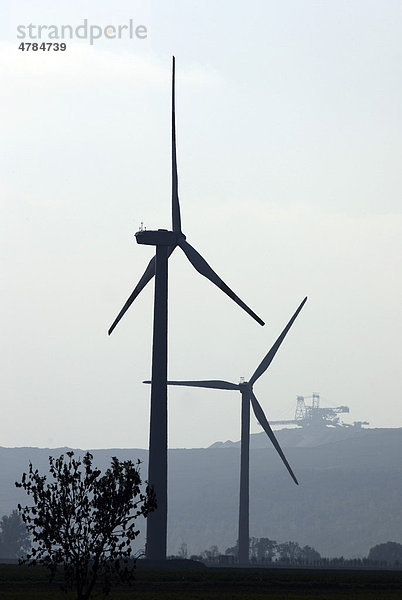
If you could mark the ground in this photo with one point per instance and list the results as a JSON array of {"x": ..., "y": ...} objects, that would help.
[{"x": 25, "y": 583}]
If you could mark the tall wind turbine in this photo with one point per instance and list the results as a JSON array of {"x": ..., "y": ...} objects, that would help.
[
  {"x": 165, "y": 242},
  {"x": 247, "y": 396}
]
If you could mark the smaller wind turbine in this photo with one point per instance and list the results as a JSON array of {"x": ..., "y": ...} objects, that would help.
[{"x": 247, "y": 395}]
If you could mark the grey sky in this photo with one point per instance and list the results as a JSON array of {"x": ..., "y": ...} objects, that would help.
[{"x": 289, "y": 151}]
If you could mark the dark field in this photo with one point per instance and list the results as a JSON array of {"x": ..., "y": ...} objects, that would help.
[{"x": 24, "y": 583}]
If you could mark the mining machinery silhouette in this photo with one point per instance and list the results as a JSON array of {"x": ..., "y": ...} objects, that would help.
[{"x": 314, "y": 415}]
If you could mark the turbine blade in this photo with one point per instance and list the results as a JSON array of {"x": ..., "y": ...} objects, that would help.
[
  {"x": 215, "y": 384},
  {"x": 203, "y": 267},
  {"x": 176, "y": 221},
  {"x": 148, "y": 274},
  {"x": 266, "y": 361},
  {"x": 261, "y": 418}
]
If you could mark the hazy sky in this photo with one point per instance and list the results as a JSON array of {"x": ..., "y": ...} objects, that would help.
[{"x": 289, "y": 154}]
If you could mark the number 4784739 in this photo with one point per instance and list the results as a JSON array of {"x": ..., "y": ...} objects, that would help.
[{"x": 44, "y": 46}]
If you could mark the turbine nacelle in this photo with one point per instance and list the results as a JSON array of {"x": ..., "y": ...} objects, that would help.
[{"x": 159, "y": 237}]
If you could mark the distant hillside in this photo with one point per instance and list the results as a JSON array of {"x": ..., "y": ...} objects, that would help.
[
  {"x": 349, "y": 497},
  {"x": 301, "y": 437}
]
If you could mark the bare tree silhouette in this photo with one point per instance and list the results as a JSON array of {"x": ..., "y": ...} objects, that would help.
[{"x": 83, "y": 521}]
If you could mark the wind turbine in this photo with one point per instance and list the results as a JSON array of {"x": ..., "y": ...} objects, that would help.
[
  {"x": 165, "y": 242},
  {"x": 247, "y": 396}
]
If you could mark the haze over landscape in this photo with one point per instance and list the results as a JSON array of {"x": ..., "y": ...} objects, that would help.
[
  {"x": 349, "y": 498},
  {"x": 288, "y": 136}
]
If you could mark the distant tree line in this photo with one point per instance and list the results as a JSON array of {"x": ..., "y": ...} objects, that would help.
[
  {"x": 15, "y": 540},
  {"x": 263, "y": 551}
]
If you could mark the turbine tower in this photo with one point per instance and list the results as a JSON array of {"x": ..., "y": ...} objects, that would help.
[
  {"x": 165, "y": 242},
  {"x": 247, "y": 396}
]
